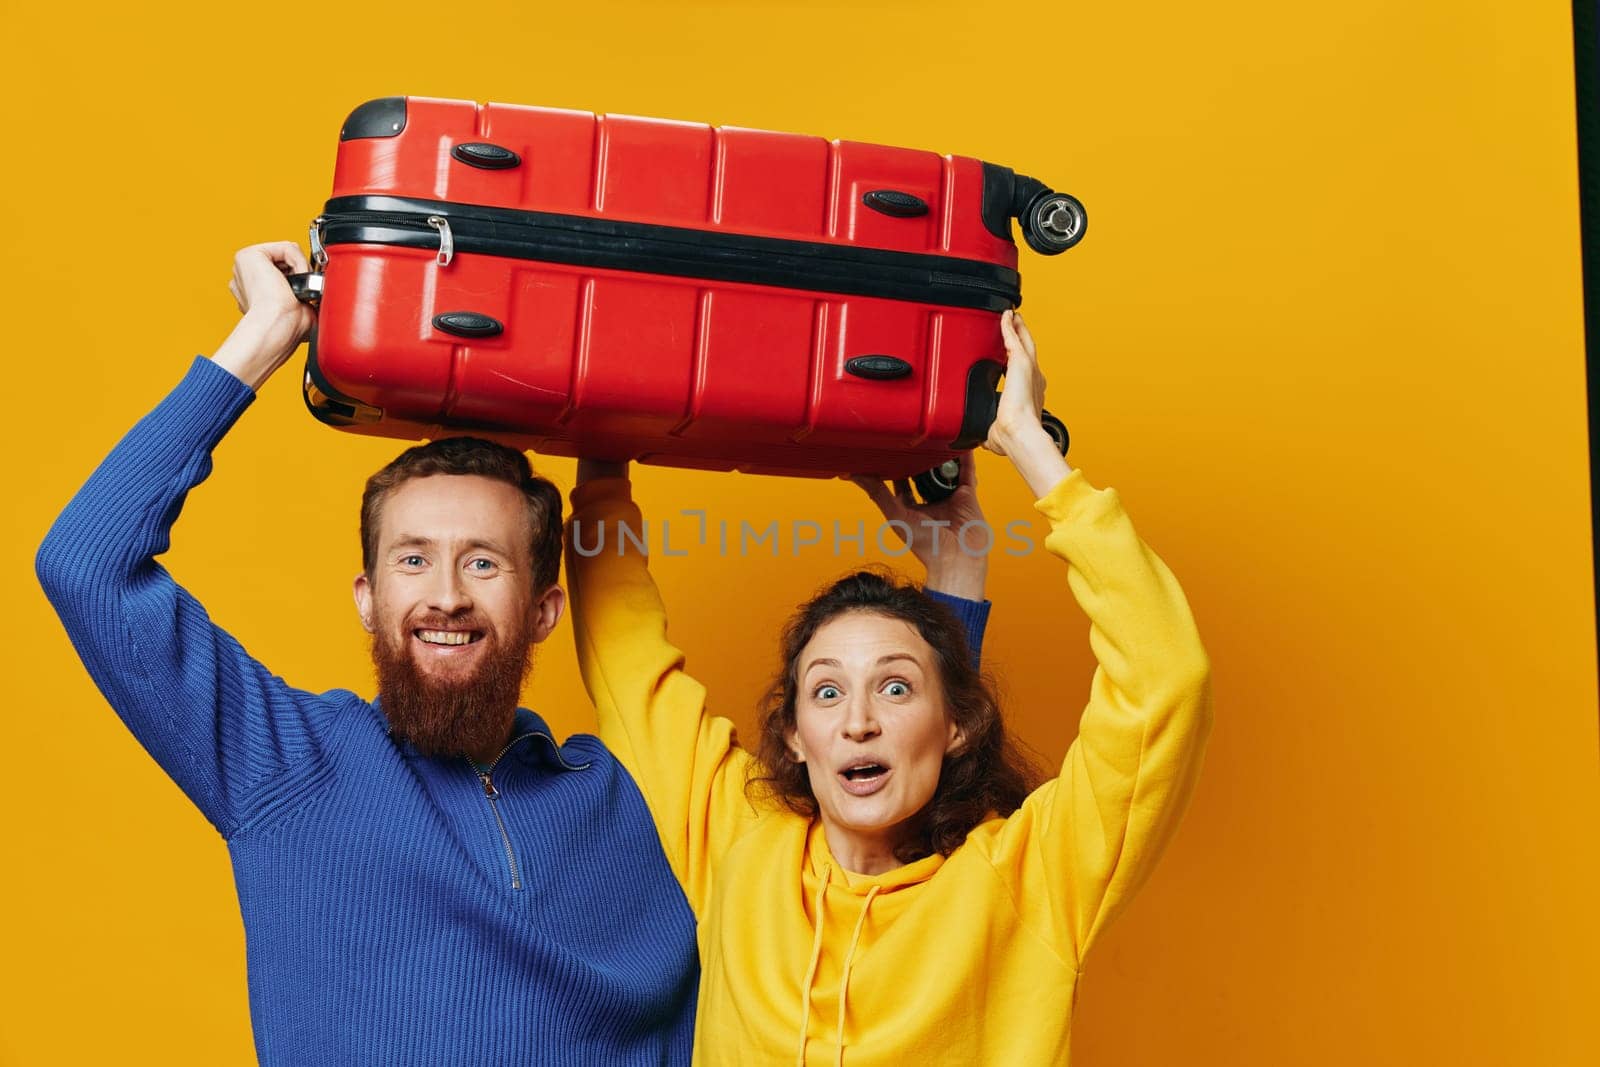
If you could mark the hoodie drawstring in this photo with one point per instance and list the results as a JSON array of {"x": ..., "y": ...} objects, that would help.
[
  {"x": 819, "y": 902},
  {"x": 844, "y": 979},
  {"x": 816, "y": 954}
]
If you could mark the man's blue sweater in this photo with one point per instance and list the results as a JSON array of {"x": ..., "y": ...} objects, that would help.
[
  {"x": 389, "y": 919},
  {"x": 395, "y": 911}
]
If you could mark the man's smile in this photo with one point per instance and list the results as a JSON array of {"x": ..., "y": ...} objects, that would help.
[{"x": 448, "y": 637}]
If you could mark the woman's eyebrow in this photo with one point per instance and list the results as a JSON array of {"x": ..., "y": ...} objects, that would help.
[{"x": 890, "y": 658}]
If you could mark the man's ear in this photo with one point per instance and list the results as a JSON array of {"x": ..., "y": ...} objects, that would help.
[
  {"x": 546, "y": 612},
  {"x": 363, "y": 594}
]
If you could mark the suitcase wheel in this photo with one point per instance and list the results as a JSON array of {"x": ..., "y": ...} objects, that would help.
[
  {"x": 1057, "y": 431},
  {"x": 1053, "y": 223},
  {"x": 940, "y": 483}
]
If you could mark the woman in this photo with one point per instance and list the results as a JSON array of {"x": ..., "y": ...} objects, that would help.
[{"x": 875, "y": 888}]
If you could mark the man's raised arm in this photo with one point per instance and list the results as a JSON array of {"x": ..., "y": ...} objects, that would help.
[{"x": 216, "y": 720}]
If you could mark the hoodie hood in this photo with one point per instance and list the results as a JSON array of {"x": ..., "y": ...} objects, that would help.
[{"x": 819, "y": 857}]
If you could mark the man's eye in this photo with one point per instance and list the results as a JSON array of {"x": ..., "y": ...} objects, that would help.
[
  {"x": 897, "y": 689},
  {"x": 481, "y": 566},
  {"x": 827, "y": 692},
  {"x": 412, "y": 561}
]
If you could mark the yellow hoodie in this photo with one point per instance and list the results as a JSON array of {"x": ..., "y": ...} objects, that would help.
[{"x": 971, "y": 958}]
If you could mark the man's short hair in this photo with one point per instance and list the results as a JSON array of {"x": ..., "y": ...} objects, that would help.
[{"x": 486, "y": 459}]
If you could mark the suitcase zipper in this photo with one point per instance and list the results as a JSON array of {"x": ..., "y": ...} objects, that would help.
[
  {"x": 582, "y": 241},
  {"x": 447, "y": 241}
]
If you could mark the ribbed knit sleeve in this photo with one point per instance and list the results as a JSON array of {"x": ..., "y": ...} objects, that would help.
[
  {"x": 225, "y": 729},
  {"x": 973, "y": 616},
  {"x": 1081, "y": 844}
]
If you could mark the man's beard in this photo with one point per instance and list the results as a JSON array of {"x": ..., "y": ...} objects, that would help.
[{"x": 444, "y": 716}]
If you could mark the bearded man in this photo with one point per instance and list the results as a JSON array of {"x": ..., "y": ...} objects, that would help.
[{"x": 429, "y": 878}]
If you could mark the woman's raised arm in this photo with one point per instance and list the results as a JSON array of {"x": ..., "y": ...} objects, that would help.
[
  {"x": 652, "y": 714},
  {"x": 1082, "y": 843}
]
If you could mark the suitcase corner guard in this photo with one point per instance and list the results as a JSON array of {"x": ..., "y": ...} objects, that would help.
[{"x": 383, "y": 117}]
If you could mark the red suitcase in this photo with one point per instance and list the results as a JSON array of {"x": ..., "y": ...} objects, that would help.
[{"x": 665, "y": 291}]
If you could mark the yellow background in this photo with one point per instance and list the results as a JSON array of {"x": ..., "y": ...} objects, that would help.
[{"x": 1325, "y": 335}]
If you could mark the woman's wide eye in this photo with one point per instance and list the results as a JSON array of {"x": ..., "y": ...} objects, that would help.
[
  {"x": 827, "y": 692},
  {"x": 897, "y": 689}
]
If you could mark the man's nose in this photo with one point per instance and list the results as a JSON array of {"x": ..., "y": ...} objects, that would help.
[{"x": 447, "y": 593}]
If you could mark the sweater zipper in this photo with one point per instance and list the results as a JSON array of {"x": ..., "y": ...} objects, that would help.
[{"x": 493, "y": 794}]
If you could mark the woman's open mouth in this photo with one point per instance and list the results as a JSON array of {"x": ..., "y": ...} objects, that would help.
[{"x": 865, "y": 778}]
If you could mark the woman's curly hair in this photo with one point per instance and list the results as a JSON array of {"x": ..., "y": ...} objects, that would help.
[{"x": 985, "y": 775}]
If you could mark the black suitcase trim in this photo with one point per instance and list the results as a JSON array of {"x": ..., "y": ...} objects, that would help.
[
  {"x": 577, "y": 240},
  {"x": 326, "y": 404},
  {"x": 384, "y": 117}
]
